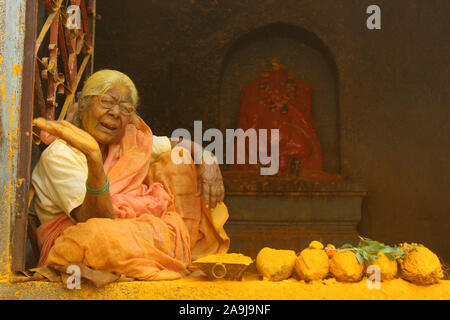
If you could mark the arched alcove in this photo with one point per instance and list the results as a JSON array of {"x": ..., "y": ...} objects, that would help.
[{"x": 300, "y": 52}]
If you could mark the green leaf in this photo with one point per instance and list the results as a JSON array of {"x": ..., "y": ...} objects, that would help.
[
  {"x": 346, "y": 246},
  {"x": 359, "y": 257},
  {"x": 375, "y": 257},
  {"x": 401, "y": 253},
  {"x": 392, "y": 252},
  {"x": 365, "y": 255},
  {"x": 390, "y": 255},
  {"x": 369, "y": 244},
  {"x": 368, "y": 250}
]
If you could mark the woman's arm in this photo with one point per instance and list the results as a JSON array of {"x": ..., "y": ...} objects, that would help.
[{"x": 93, "y": 206}]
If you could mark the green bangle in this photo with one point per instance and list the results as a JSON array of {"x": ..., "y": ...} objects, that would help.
[{"x": 100, "y": 191}]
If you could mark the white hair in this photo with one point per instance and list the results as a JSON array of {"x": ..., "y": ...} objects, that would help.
[{"x": 102, "y": 81}]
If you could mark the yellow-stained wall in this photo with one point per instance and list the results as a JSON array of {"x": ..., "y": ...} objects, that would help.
[{"x": 12, "y": 22}]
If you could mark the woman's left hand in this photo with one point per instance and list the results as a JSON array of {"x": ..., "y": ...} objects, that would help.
[
  {"x": 73, "y": 135},
  {"x": 210, "y": 184}
]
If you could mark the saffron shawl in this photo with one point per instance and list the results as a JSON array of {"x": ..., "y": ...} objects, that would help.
[{"x": 158, "y": 223}]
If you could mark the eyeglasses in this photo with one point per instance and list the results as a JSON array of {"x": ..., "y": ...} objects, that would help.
[{"x": 108, "y": 102}]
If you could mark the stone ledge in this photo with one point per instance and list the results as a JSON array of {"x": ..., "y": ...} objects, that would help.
[
  {"x": 289, "y": 208},
  {"x": 254, "y": 184}
]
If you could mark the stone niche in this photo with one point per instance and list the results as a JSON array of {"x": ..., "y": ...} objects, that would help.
[{"x": 287, "y": 212}]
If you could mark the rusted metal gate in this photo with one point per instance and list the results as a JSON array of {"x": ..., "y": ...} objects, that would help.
[
  {"x": 54, "y": 64},
  {"x": 70, "y": 38}
]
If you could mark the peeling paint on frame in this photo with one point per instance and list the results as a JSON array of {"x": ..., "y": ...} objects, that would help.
[{"x": 12, "y": 27}]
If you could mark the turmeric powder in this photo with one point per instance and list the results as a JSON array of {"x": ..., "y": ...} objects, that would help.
[
  {"x": 231, "y": 258},
  {"x": 250, "y": 288}
]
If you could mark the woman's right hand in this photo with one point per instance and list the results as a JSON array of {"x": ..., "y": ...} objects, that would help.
[{"x": 73, "y": 135}]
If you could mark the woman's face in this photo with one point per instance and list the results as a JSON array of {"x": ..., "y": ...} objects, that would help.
[{"x": 104, "y": 119}]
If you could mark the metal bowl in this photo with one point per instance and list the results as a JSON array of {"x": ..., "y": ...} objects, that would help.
[{"x": 222, "y": 270}]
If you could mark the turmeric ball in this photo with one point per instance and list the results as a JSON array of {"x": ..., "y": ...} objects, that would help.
[
  {"x": 388, "y": 268},
  {"x": 275, "y": 264},
  {"x": 421, "y": 266},
  {"x": 345, "y": 267},
  {"x": 315, "y": 245},
  {"x": 312, "y": 264}
]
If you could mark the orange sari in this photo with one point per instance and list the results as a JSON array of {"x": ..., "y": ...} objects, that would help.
[{"x": 160, "y": 223}]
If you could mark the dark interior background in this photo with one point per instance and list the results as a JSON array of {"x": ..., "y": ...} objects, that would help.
[{"x": 392, "y": 91}]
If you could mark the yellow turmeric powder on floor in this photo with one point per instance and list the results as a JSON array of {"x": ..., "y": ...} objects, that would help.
[
  {"x": 232, "y": 258},
  {"x": 250, "y": 288}
]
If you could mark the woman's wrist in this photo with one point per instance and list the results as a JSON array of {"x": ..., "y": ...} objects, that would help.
[
  {"x": 205, "y": 157},
  {"x": 97, "y": 191},
  {"x": 95, "y": 157},
  {"x": 96, "y": 173}
]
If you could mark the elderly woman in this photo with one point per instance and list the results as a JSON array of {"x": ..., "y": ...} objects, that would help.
[{"x": 108, "y": 195}]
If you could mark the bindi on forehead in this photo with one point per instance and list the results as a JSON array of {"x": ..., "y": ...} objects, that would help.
[{"x": 120, "y": 92}]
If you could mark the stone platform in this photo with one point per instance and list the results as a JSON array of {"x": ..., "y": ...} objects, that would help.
[{"x": 287, "y": 213}]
